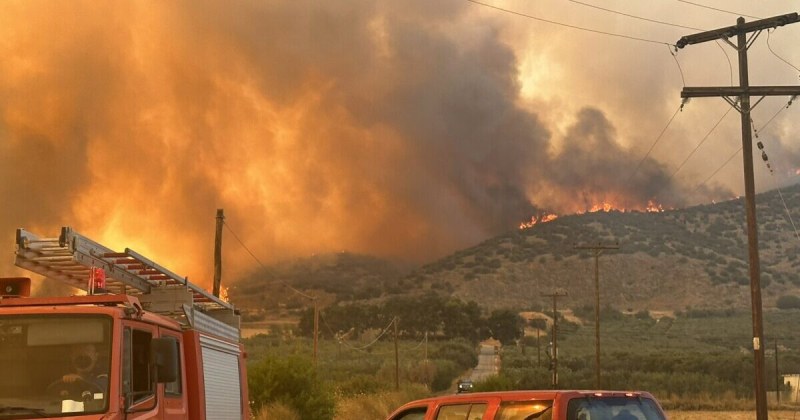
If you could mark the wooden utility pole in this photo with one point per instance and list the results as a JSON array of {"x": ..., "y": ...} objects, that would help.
[
  {"x": 538, "y": 349},
  {"x": 777, "y": 376},
  {"x": 598, "y": 249},
  {"x": 739, "y": 98},
  {"x": 396, "y": 359},
  {"x": 218, "y": 253},
  {"x": 316, "y": 329},
  {"x": 555, "y": 295}
]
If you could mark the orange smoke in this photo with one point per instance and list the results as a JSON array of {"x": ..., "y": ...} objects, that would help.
[{"x": 133, "y": 123}]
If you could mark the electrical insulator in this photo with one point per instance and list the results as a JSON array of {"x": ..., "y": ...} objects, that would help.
[
  {"x": 764, "y": 156},
  {"x": 760, "y": 146}
]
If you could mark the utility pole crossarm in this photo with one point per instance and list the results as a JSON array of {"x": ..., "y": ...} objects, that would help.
[
  {"x": 715, "y": 91},
  {"x": 596, "y": 247},
  {"x": 730, "y": 31}
]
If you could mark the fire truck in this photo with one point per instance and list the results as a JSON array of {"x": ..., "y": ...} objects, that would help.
[{"x": 139, "y": 342}]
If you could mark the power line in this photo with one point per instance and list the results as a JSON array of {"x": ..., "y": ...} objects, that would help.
[
  {"x": 719, "y": 10},
  {"x": 568, "y": 25},
  {"x": 757, "y": 131},
  {"x": 776, "y": 55},
  {"x": 243, "y": 245},
  {"x": 364, "y": 347},
  {"x": 720, "y": 168},
  {"x": 677, "y": 63},
  {"x": 307, "y": 296},
  {"x": 788, "y": 213},
  {"x": 730, "y": 65},
  {"x": 635, "y": 171},
  {"x": 701, "y": 142},
  {"x": 740, "y": 149},
  {"x": 635, "y": 17},
  {"x": 772, "y": 172}
]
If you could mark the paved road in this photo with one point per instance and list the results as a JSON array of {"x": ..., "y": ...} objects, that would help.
[{"x": 488, "y": 364}]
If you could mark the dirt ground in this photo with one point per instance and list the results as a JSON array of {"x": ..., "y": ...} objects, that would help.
[{"x": 730, "y": 415}]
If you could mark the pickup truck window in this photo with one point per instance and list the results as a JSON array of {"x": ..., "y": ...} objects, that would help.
[
  {"x": 461, "y": 412},
  {"x": 54, "y": 364},
  {"x": 614, "y": 408},
  {"x": 525, "y": 410}
]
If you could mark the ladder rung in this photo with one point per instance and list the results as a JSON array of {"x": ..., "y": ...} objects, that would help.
[{"x": 52, "y": 258}]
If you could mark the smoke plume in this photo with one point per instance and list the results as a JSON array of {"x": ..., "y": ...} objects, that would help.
[{"x": 389, "y": 128}]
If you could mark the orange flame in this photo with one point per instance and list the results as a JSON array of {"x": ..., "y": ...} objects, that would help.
[
  {"x": 536, "y": 220},
  {"x": 651, "y": 207},
  {"x": 605, "y": 207}
]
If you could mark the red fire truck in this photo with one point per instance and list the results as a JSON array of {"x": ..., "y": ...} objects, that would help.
[{"x": 142, "y": 343}]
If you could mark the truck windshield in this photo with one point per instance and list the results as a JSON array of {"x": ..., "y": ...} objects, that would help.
[
  {"x": 54, "y": 365},
  {"x": 616, "y": 408}
]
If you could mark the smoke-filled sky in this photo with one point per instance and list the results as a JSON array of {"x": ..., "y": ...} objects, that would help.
[{"x": 404, "y": 129}]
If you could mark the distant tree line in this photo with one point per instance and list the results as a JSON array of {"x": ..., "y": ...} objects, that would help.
[{"x": 440, "y": 317}]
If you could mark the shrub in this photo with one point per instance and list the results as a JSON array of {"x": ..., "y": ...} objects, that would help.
[
  {"x": 360, "y": 384},
  {"x": 788, "y": 302},
  {"x": 446, "y": 372},
  {"x": 494, "y": 383},
  {"x": 460, "y": 353},
  {"x": 292, "y": 381}
]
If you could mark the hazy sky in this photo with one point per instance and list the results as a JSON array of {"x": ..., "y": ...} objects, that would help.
[{"x": 402, "y": 129}]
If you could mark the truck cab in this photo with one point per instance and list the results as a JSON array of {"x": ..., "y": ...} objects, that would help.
[{"x": 168, "y": 353}]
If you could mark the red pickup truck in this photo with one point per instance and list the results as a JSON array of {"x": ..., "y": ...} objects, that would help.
[{"x": 538, "y": 405}]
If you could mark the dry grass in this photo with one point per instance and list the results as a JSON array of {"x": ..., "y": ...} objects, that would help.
[
  {"x": 276, "y": 411},
  {"x": 377, "y": 406},
  {"x": 366, "y": 407}
]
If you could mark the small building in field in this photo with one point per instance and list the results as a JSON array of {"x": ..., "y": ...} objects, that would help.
[{"x": 791, "y": 392}]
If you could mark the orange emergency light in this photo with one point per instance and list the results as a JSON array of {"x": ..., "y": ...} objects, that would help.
[{"x": 15, "y": 286}]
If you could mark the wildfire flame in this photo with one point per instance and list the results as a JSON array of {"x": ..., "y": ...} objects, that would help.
[
  {"x": 651, "y": 207},
  {"x": 536, "y": 220},
  {"x": 605, "y": 207}
]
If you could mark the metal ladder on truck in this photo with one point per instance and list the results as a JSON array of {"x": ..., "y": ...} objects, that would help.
[{"x": 70, "y": 257}]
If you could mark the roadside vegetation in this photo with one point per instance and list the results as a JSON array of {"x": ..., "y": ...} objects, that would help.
[{"x": 696, "y": 359}]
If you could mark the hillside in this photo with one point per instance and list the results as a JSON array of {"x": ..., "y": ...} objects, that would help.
[
  {"x": 672, "y": 260},
  {"x": 331, "y": 278}
]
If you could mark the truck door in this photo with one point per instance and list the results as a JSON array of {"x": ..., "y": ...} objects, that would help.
[
  {"x": 174, "y": 393},
  {"x": 138, "y": 388}
]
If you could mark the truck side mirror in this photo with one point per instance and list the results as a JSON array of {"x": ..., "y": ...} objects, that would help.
[{"x": 164, "y": 357}]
